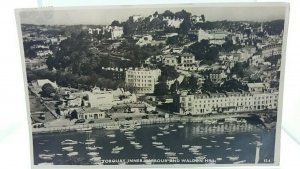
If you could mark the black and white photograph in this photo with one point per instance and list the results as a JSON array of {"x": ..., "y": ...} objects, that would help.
[{"x": 157, "y": 85}]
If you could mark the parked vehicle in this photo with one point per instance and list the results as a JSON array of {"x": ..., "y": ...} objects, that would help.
[
  {"x": 128, "y": 118},
  {"x": 80, "y": 121},
  {"x": 145, "y": 117}
]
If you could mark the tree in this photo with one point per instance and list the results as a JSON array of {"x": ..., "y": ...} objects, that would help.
[
  {"x": 161, "y": 89},
  {"x": 174, "y": 87},
  {"x": 193, "y": 84},
  {"x": 203, "y": 18},
  {"x": 239, "y": 69},
  {"x": 47, "y": 90},
  {"x": 50, "y": 62},
  {"x": 115, "y": 23},
  {"x": 73, "y": 115}
]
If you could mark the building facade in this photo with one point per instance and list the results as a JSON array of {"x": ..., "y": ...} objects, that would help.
[
  {"x": 142, "y": 79},
  {"x": 170, "y": 60},
  {"x": 225, "y": 102},
  {"x": 116, "y": 32}
]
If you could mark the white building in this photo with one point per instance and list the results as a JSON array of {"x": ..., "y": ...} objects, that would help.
[
  {"x": 217, "y": 76},
  {"x": 41, "y": 82},
  {"x": 170, "y": 60},
  {"x": 142, "y": 79},
  {"x": 100, "y": 99},
  {"x": 144, "y": 40},
  {"x": 175, "y": 22},
  {"x": 91, "y": 114},
  {"x": 196, "y": 19},
  {"x": 225, "y": 102},
  {"x": 116, "y": 32},
  {"x": 188, "y": 62},
  {"x": 203, "y": 35},
  {"x": 271, "y": 50},
  {"x": 136, "y": 18}
]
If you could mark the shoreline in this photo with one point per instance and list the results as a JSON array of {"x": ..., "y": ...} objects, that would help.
[{"x": 219, "y": 127}]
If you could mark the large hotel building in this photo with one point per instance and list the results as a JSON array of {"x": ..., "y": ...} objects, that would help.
[
  {"x": 142, "y": 79},
  {"x": 225, "y": 102}
]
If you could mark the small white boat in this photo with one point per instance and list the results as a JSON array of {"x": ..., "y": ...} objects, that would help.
[
  {"x": 204, "y": 138},
  {"x": 137, "y": 146},
  {"x": 144, "y": 155},
  {"x": 59, "y": 154},
  {"x": 197, "y": 153},
  {"x": 118, "y": 148},
  {"x": 180, "y": 126},
  {"x": 185, "y": 146},
  {"x": 180, "y": 153},
  {"x": 208, "y": 146},
  {"x": 213, "y": 141},
  {"x": 229, "y": 138},
  {"x": 115, "y": 152},
  {"x": 95, "y": 159},
  {"x": 239, "y": 162},
  {"x": 196, "y": 147},
  {"x": 160, "y": 146},
  {"x": 217, "y": 146},
  {"x": 111, "y": 135},
  {"x": 166, "y": 132},
  {"x": 128, "y": 132},
  {"x": 84, "y": 129},
  {"x": 112, "y": 127},
  {"x": 130, "y": 138},
  {"x": 92, "y": 148},
  {"x": 157, "y": 143},
  {"x": 238, "y": 150},
  {"x": 154, "y": 137},
  {"x": 219, "y": 159},
  {"x": 90, "y": 140},
  {"x": 73, "y": 154},
  {"x": 166, "y": 149},
  {"x": 89, "y": 143},
  {"x": 170, "y": 153},
  {"x": 46, "y": 156},
  {"x": 93, "y": 153},
  {"x": 69, "y": 142},
  {"x": 233, "y": 158},
  {"x": 69, "y": 148},
  {"x": 226, "y": 142},
  {"x": 134, "y": 143},
  {"x": 160, "y": 134},
  {"x": 113, "y": 142},
  {"x": 173, "y": 130}
]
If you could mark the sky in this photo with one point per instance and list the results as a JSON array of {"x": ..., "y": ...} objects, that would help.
[{"x": 105, "y": 15}]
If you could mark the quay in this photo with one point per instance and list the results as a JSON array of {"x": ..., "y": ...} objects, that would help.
[{"x": 203, "y": 127}]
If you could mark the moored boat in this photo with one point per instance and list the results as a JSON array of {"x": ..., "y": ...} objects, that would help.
[{"x": 69, "y": 142}]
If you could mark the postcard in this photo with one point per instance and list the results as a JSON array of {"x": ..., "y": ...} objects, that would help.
[{"x": 158, "y": 85}]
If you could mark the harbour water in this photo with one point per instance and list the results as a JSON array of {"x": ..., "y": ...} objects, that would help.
[{"x": 173, "y": 143}]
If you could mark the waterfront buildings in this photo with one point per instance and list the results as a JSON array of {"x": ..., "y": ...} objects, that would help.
[
  {"x": 271, "y": 50},
  {"x": 170, "y": 60},
  {"x": 142, "y": 79},
  {"x": 91, "y": 114},
  {"x": 226, "y": 102},
  {"x": 217, "y": 75}
]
